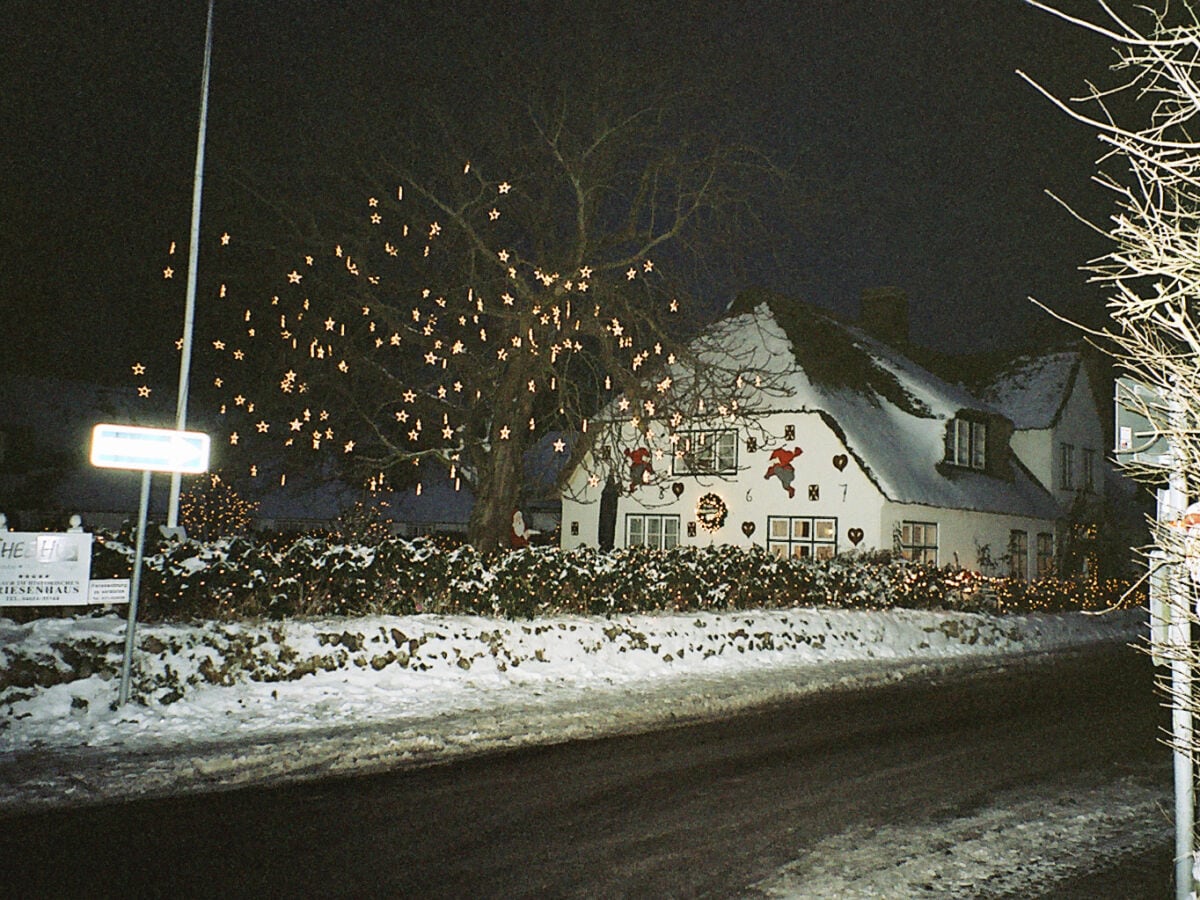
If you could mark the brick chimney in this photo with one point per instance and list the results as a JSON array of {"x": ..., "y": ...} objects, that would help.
[{"x": 884, "y": 314}]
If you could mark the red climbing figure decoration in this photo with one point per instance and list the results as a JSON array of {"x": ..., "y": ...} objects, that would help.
[
  {"x": 781, "y": 468},
  {"x": 640, "y": 468}
]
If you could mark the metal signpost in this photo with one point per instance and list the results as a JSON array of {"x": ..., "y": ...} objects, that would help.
[
  {"x": 148, "y": 450},
  {"x": 1144, "y": 418}
]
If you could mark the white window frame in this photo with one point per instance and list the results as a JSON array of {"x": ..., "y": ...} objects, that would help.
[
  {"x": 807, "y": 537},
  {"x": 919, "y": 541},
  {"x": 708, "y": 452},
  {"x": 657, "y": 531},
  {"x": 968, "y": 444}
]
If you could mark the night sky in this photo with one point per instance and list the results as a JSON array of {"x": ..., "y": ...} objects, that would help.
[{"x": 925, "y": 157}]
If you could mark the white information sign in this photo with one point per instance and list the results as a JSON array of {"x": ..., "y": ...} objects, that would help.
[
  {"x": 39, "y": 569},
  {"x": 108, "y": 591},
  {"x": 149, "y": 449}
]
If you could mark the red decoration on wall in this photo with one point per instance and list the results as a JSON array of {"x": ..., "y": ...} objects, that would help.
[
  {"x": 781, "y": 468},
  {"x": 640, "y": 468}
]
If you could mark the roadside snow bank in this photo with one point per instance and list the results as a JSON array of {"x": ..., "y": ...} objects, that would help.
[{"x": 223, "y": 704}]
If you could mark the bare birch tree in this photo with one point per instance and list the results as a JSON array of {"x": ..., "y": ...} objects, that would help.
[{"x": 1148, "y": 124}]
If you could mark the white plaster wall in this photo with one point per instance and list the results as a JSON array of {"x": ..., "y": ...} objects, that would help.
[
  {"x": 964, "y": 534},
  {"x": 845, "y": 493}
]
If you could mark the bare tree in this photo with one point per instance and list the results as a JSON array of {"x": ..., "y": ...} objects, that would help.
[
  {"x": 483, "y": 301},
  {"x": 1147, "y": 123}
]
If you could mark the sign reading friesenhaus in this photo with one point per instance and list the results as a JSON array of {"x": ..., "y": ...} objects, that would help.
[{"x": 38, "y": 569}]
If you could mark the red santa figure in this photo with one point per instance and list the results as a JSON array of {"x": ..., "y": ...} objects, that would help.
[
  {"x": 781, "y": 468},
  {"x": 640, "y": 468},
  {"x": 518, "y": 535}
]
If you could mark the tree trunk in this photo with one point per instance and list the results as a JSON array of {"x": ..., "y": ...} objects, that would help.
[{"x": 498, "y": 497}]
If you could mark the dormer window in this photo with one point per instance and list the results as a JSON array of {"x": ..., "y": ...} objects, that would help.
[{"x": 966, "y": 443}]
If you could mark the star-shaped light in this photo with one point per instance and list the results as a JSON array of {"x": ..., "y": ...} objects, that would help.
[
  {"x": 504, "y": 433},
  {"x": 434, "y": 229},
  {"x": 504, "y": 187},
  {"x": 560, "y": 445},
  {"x": 376, "y": 218},
  {"x": 144, "y": 391},
  {"x": 294, "y": 277},
  {"x": 648, "y": 266},
  {"x": 631, "y": 274},
  {"x": 409, "y": 396},
  {"x": 503, "y": 255},
  {"x": 295, "y": 424},
  {"x": 493, "y": 214},
  {"x": 233, "y": 438},
  {"x": 263, "y": 426},
  {"x": 373, "y": 201},
  {"x": 225, "y": 239},
  {"x": 218, "y": 382},
  {"x": 168, "y": 272},
  {"x": 447, "y": 432},
  {"x": 138, "y": 369},
  {"x": 218, "y": 345},
  {"x": 348, "y": 447}
]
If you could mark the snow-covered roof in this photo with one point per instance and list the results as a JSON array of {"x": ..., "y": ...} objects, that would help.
[
  {"x": 1033, "y": 390},
  {"x": 891, "y": 413}
]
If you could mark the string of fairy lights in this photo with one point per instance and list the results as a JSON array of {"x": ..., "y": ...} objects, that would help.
[{"x": 438, "y": 367}]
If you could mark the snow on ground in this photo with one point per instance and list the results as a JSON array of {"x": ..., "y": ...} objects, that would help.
[{"x": 221, "y": 705}]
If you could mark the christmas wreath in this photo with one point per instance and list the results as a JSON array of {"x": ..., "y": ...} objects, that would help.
[{"x": 711, "y": 512}]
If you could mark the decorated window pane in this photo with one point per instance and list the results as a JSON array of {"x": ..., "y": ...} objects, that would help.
[
  {"x": 670, "y": 532},
  {"x": 918, "y": 542},
  {"x": 654, "y": 531},
  {"x": 635, "y": 531},
  {"x": 802, "y": 536},
  {"x": 706, "y": 453}
]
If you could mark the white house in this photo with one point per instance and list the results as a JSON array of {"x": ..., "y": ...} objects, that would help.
[
  {"x": 1058, "y": 431},
  {"x": 857, "y": 448}
]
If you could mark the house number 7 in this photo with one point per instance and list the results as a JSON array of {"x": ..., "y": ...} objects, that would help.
[{"x": 843, "y": 487}]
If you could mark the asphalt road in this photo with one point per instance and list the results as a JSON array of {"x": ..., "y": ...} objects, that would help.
[{"x": 695, "y": 811}]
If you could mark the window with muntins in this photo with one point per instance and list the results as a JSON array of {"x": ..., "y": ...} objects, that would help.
[
  {"x": 803, "y": 536},
  {"x": 1089, "y": 470},
  {"x": 1066, "y": 467},
  {"x": 655, "y": 531},
  {"x": 1045, "y": 554},
  {"x": 919, "y": 541},
  {"x": 967, "y": 444},
  {"x": 706, "y": 453},
  {"x": 1018, "y": 554}
]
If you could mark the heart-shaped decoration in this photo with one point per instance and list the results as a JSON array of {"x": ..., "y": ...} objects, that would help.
[
  {"x": 840, "y": 461},
  {"x": 677, "y": 488},
  {"x": 855, "y": 535},
  {"x": 747, "y": 528}
]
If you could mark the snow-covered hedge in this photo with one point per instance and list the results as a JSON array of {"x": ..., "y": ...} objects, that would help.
[{"x": 312, "y": 576}]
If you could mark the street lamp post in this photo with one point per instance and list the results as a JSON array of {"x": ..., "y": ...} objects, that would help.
[{"x": 185, "y": 358}]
